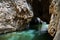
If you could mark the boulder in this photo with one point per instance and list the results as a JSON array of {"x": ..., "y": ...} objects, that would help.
[{"x": 14, "y": 15}]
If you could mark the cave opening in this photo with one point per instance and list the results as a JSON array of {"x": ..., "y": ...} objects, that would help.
[{"x": 41, "y": 9}]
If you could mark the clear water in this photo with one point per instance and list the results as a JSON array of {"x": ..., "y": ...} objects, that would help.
[{"x": 27, "y": 35}]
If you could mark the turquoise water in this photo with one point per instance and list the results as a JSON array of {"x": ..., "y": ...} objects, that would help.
[{"x": 27, "y": 35}]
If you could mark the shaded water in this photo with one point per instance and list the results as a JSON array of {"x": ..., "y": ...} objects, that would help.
[{"x": 27, "y": 35}]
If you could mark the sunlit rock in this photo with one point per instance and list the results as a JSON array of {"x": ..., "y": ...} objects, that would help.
[{"x": 14, "y": 15}]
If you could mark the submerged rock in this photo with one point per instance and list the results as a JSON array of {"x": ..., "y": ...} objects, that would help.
[{"x": 14, "y": 15}]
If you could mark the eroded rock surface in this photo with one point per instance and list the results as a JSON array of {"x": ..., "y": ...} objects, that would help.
[
  {"x": 54, "y": 26},
  {"x": 14, "y": 15}
]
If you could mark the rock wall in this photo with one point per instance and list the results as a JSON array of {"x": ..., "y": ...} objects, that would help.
[
  {"x": 14, "y": 15},
  {"x": 54, "y": 26}
]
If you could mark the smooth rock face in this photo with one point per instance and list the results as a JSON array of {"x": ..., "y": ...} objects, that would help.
[
  {"x": 57, "y": 36},
  {"x": 14, "y": 15}
]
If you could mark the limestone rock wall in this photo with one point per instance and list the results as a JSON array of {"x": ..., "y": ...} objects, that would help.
[
  {"x": 54, "y": 26},
  {"x": 14, "y": 15}
]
